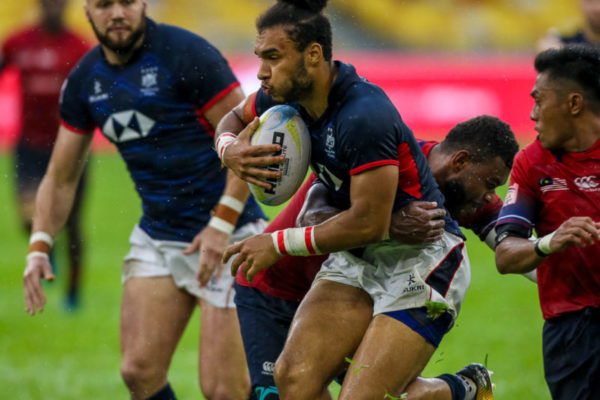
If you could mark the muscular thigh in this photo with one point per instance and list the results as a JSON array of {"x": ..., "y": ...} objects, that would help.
[
  {"x": 328, "y": 327},
  {"x": 389, "y": 357},
  {"x": 154, "y": 313}
]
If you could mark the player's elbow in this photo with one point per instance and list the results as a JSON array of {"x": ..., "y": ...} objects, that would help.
[{"x": 503, "y": 265}]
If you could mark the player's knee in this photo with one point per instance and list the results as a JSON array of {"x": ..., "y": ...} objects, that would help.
[
  {"x": 291, "y": 377},
  {"x": 140, "y": 373},
  {"x": 226, "y": 389}
]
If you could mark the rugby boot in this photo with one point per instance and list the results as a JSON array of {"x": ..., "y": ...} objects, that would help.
[{"x": 482, "y": 379}]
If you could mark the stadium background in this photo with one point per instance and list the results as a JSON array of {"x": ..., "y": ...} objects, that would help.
[{"x": 441, "y": 61}]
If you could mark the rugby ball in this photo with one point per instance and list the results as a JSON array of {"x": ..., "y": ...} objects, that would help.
[{"x": 283, "y": 125}]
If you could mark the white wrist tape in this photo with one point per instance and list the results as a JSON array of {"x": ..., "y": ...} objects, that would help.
[
  {"x": 295, "y": 242},
  {"x": 544, "y": 243},
  {"x": 232, "y": 203},
  {"x": 224, "y": 140},
  {"x": 42, "y": 237},
  {"x": 221, "y": 225},
  {"x": 37, "y": 254}
]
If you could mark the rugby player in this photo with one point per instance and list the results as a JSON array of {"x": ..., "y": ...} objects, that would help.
[
  {"x": 156, "y": 92},
  {"x": 44, "y": 54},
  {"x": 555, "y": 188},
  {"x": 367, "y": 303}
]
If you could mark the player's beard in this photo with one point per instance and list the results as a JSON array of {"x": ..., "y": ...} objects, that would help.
[
  {"x": 125, "y": 46},
  {"x": 301, "y": 84},
  {"x": 455, "y": 196}
]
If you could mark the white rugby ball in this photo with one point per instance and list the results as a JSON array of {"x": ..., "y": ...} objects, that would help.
[{"x": 283, "y": 125}]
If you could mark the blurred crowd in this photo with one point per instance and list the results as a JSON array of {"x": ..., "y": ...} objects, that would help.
[{"x": 430, "y": 25}]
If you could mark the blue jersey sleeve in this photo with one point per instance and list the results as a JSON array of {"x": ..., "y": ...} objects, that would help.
[
  {"x": 205, "y": 72},
  {"x": 74, "y": 111}
]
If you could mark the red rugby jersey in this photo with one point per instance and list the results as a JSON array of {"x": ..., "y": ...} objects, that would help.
[
  {"x": 44, "y": 60},
  {"x": 545, "y": 190}
]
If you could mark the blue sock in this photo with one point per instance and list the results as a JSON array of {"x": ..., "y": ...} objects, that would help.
[
  {"x": 166, "y": 393},
  {"x": 456, "y": 386}
]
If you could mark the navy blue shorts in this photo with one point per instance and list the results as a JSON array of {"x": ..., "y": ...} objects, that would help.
[
  {"x": 30, "y": 166},
  {"x": 264, "y": 323},
  {"x": 572, "y": 355},
  {"x": 417, "y": 319}
]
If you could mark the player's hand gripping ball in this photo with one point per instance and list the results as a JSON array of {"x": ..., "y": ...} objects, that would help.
[{"x": 283, "y": 125}]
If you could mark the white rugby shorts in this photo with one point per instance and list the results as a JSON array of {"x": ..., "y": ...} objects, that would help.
[
  {"x": 151, "y": 258},
  {"x": 399, "y": 277}
]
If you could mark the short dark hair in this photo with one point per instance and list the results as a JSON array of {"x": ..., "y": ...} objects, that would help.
[
  {"x": 577, "y": 63},
  {"x": 302, "y": 20},
  {"x": 485, "y": 137}
]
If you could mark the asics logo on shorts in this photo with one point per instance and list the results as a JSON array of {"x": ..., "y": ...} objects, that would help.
[
  {"x": 268, "y": 367},
  {"x": 586, "y": 182}
]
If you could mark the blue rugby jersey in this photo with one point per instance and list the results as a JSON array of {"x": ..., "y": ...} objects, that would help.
[
  {"x": 153, "y": 109},
  {"x": 362, "y": 129}
]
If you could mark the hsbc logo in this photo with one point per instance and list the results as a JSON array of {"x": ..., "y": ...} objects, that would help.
[
  {"x": 587, "y": 182},
  {"x": 127, "y": 125}
]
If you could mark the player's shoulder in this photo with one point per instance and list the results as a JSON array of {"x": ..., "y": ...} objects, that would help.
[
  {"x": 177, "y": 38},
  {"x": 358, "y": 98}
]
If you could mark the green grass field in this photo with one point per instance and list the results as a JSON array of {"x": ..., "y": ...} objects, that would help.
[{"x": 61, "y": 355}]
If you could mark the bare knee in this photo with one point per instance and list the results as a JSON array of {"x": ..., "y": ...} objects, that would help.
[
  {"x": 297, "y": 380},
  {"x": 225, "y": 387},
  {"x": 142, "y": 377}
]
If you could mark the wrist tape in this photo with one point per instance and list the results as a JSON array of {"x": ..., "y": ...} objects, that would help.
[
  {"x": 296, "y": 242},
  {"x": 40, "y": 242},
  {"x": 226, "y": 214},
  {"x": 224, "y": 140}
]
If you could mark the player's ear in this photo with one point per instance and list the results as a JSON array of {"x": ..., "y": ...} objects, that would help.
[
  {"x": 313, "y": 54},
  {"x": 461, "y": 160},
  {"x": 575, "y": 103}
]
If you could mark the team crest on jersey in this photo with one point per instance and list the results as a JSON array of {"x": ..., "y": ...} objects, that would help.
[
  {"x": 330, "y": 142},
  {"x": 99, "y": 94},
  {"x": 127, "y": 125},
  {"x": 149, "y": 81}
]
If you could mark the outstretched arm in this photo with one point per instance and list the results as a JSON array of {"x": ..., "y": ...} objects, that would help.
[
  {"x": 52, "y": 206},
  {"x": 519, "y": 255}
]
